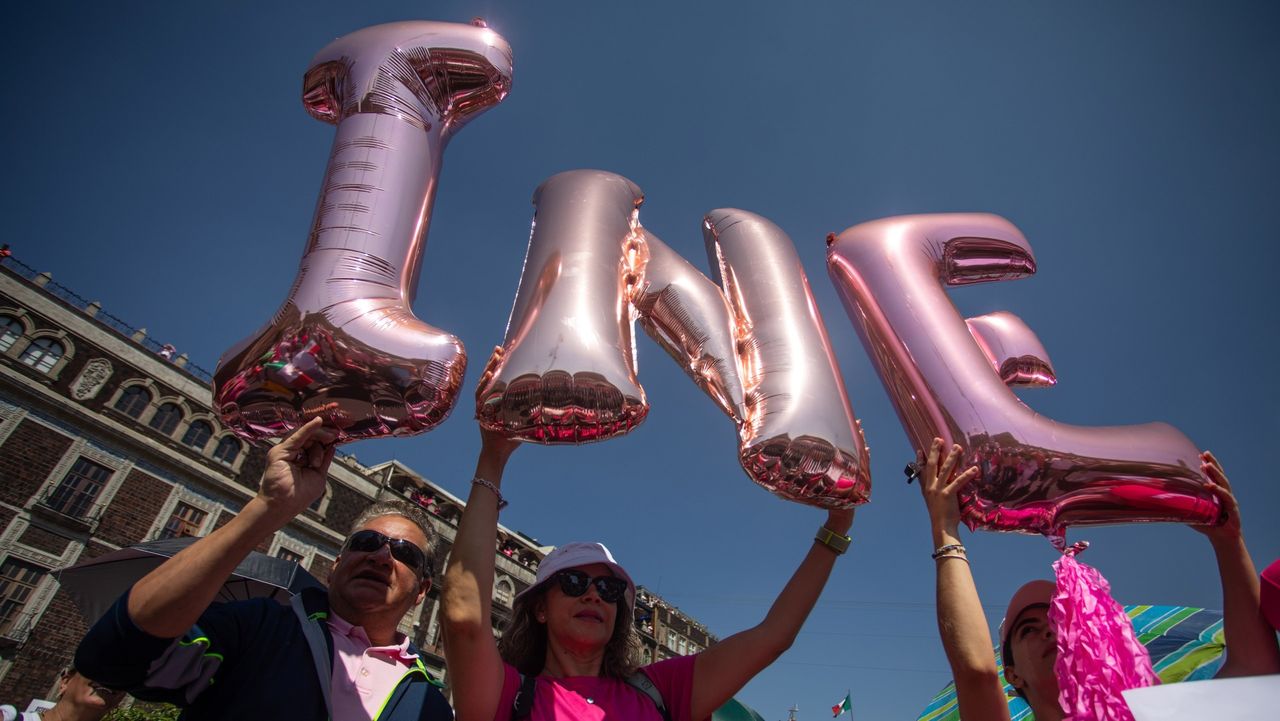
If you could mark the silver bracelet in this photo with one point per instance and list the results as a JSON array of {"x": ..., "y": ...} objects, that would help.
[
  {"x": 478, "y": 481},
  {"x": 949, "y": 548}
]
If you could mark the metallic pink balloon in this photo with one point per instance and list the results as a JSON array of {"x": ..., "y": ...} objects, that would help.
[
  {"x": 689, "y": 317},
  {"x": 799, "y": 438},
  {"x": 1037, "y": 475},
  {"x": 345, "y": 344},
  {"x": 1013, "y": 349},
  {"x": 566, "y": 370}
]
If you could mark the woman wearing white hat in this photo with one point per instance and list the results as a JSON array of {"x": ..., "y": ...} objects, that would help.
[{"x": 569, "y": 651}]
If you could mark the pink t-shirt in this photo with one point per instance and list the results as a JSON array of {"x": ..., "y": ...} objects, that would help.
[
  {"x": 363, "y": 675},
  {"x": 599, "y": 698}
]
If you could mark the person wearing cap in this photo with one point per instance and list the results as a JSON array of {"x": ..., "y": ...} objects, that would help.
[
  {"x": 569, "y": 650},
  {"x": 1028, "y": 642}
]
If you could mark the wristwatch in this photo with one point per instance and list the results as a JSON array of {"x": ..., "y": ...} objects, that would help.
[{"x": 832, "y": 540}]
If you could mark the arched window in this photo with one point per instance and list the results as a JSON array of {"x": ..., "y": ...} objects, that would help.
[
  {"x": 503, "y": 592},
  {"x": 42, "y": 354},
  {"x": 11, "y": 329},
  {"x": 198, "y": 434},
  {"x": 166, "y": 418},
  {"x": 227, "y": 451},
  {"x": 133, "y": 401}
]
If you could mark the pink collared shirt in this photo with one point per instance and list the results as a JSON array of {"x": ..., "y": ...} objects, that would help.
[{"x": 363, "y": 675}]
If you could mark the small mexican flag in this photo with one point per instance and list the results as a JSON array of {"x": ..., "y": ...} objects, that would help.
[{"x": 845, "y": 704}]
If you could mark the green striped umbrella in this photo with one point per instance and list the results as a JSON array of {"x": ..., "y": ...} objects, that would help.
[
  {"x": 1185, "y": 645},
  {"x": 735, "y": 710}
]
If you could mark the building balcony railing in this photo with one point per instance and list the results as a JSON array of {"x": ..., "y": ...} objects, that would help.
[
  {"x": 16, "y": 630},
  {"x": 94, "y": 310},
  {"x": 73, "y": 506},
  {"x": 516, "y": 570}
]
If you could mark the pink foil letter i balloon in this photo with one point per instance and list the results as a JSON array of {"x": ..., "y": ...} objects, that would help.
[
  {"x": 950, "y": 378},
  {"x": 345, "y": 344},
  {"x": 755, "y": 345}
]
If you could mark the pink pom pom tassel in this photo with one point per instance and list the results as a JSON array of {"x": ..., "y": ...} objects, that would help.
[{"x": 1098, "y": 653}]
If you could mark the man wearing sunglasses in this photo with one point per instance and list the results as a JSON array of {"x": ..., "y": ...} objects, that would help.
[{"x": 335, "y": 655}]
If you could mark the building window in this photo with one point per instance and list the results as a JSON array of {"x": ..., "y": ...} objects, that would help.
[
  {"x": 78, "y": 491},
  {"x": 503, "y": 592},
  {"x": 18, "y": 580},
  {"x": 133, "y": 401},
  {"x": 289, "y": 555},
  {"x": 671, "y": 639},
  {"x": 42, "y": 354},
  {"x": 166, "y": 418},
  {"x": 198, "y": 434},
  {"x": 227, "y": 451},
  {"x": 185, "y": 521},
  {"x": 11, "y": 329}
]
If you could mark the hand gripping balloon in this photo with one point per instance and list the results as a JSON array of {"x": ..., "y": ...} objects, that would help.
[
  {"x": 566, "y": 370},
  {"x": 345, "y": 344},
  {"x": 948, "y": 378}
]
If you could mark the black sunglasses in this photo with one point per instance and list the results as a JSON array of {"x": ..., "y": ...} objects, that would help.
[
  {"x": 574, "y": 583},
  {"x": 406, "y": 552}
]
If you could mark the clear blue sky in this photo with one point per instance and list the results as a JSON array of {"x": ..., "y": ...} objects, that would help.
[{"x": 157, "y": 158}]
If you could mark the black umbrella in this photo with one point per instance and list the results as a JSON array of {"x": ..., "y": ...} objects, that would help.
[{"x": 95, "y": 585}]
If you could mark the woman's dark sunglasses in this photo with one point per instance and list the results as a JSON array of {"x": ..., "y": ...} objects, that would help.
[
  {"x": 574, "y": 583},
  {"x": 406, "y": 552}
]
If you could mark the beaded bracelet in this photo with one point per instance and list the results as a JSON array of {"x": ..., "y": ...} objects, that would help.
[
  {"x": 941, "y": 551},
  {"x": 478, "y": 481}
]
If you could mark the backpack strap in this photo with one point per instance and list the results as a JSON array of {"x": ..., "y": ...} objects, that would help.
[
  {"x": 523, "y": 705},
  {"x": 312, "y": 613},
  {"x": 642, "y": 683}
]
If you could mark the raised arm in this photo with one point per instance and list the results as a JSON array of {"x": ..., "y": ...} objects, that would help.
[
  {"x": 167, "y": 601},
  {"x": 475, "y": 668},
  {"x": 961, "y": 623},
  {"x": 1251, "y": 642},
  {"x": 722, "y": 670}
]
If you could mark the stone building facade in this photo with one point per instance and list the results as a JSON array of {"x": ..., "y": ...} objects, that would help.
[
  {"x": 665, "y": 631},
  {"x": 109, "y": 438}
]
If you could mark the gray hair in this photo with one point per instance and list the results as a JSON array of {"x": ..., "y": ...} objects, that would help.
[{"x": 405, "y": 510}]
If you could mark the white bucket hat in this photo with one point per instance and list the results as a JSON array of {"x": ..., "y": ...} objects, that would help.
[{"x": 579, "y": 553}]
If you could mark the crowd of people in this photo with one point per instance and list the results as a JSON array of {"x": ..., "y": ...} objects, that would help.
[{"x": 569, "y": 650}]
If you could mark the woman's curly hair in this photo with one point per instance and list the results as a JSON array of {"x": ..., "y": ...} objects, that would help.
[{"x": 524, "y": 639}]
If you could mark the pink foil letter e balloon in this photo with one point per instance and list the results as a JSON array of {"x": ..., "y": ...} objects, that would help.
[{"x": 951, "y": 379}]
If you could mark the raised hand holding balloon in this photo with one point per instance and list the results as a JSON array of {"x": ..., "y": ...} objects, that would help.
[
  {"x": 755, "y": 344},
  {"x": 345, "y": 345},
  {"x": 948, "y": 378}
]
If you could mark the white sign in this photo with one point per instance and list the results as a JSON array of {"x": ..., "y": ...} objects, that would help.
[{"x": 1253, "y": 698}]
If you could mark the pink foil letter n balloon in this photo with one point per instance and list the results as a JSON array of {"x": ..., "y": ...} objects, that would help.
[
  {"x": 345, "y": 344},
  {"x": 950, "y": 378},
  {"x": 755, "y": 344}
]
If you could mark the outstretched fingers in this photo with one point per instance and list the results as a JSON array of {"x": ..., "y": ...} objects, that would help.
[
  {"x": 958, "y": 483},
  {"x": 309, "y": 432},
  {"x": 1213, "y": 469},
  {"x": 930, "y": 477},
  {"x": 949, "y": 464}
]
